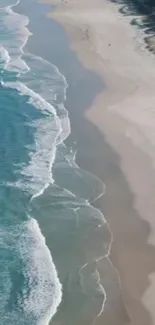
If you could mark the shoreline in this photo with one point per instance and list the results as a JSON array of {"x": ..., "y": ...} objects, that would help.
[
  {"x": 129, "y": 131},
  {"x": 92, "y": 135},
  {"x": 29, "y": 47}
]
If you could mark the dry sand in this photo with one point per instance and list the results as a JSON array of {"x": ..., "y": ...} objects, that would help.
[{"x": 125, "y": 113}]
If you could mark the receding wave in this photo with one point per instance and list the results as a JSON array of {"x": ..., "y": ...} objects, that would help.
[
  {"x": 37, "y": 299},
  {"x": 16, "y": 25},
  {"x": 49, "y": 178},
  {"x": 40, "y": 273},
  {"x": 40, "y": 292}
]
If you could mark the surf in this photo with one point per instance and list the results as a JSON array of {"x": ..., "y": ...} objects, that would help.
[
  {"x": 39, "y": 302},
  {"x": 41, "y": 85}
]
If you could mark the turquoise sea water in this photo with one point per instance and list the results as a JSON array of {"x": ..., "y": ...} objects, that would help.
[{"x": 50, "y": 235}]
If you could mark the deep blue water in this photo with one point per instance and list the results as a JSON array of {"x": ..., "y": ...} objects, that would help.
[{"x": 50, "y": 235}]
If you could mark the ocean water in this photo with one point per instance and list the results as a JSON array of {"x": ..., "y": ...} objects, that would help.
[{"x": 51, "y": 237}]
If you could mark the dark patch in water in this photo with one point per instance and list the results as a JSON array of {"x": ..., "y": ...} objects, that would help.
[{"x": 146, "y": 10}]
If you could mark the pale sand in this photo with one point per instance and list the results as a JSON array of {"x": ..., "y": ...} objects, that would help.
[{"x": 125, "y": 113}]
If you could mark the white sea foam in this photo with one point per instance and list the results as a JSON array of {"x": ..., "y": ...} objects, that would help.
[
  {"x": 44, "y": 86},
  {"x": 44, "y": 293},
  {"x": 34, "y": 98},
  {"x": 44, "y": 289},
  {"x": 5, "y": 281},
  {"x": 45, "y": 79},
  {"x": 41, "y": 295},
  {"x": 48, "y": 131},
  {"x": 48, "y": 78},
  {"x": 16, "y": 25},
  {"x": 4, "y": 57}
]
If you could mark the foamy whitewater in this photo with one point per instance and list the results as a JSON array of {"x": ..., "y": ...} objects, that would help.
[{"x": 41, "y": 187}]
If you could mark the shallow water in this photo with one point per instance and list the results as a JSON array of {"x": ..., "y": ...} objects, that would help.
[{"x": 50, "y": 235}]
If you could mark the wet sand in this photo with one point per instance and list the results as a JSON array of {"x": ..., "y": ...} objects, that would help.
[
  {"x": 122, "y": 152},
  {"x": 111, "y": 97}
]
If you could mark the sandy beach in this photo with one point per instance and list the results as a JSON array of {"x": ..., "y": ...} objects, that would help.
[{"x": 124, "y": 113}]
